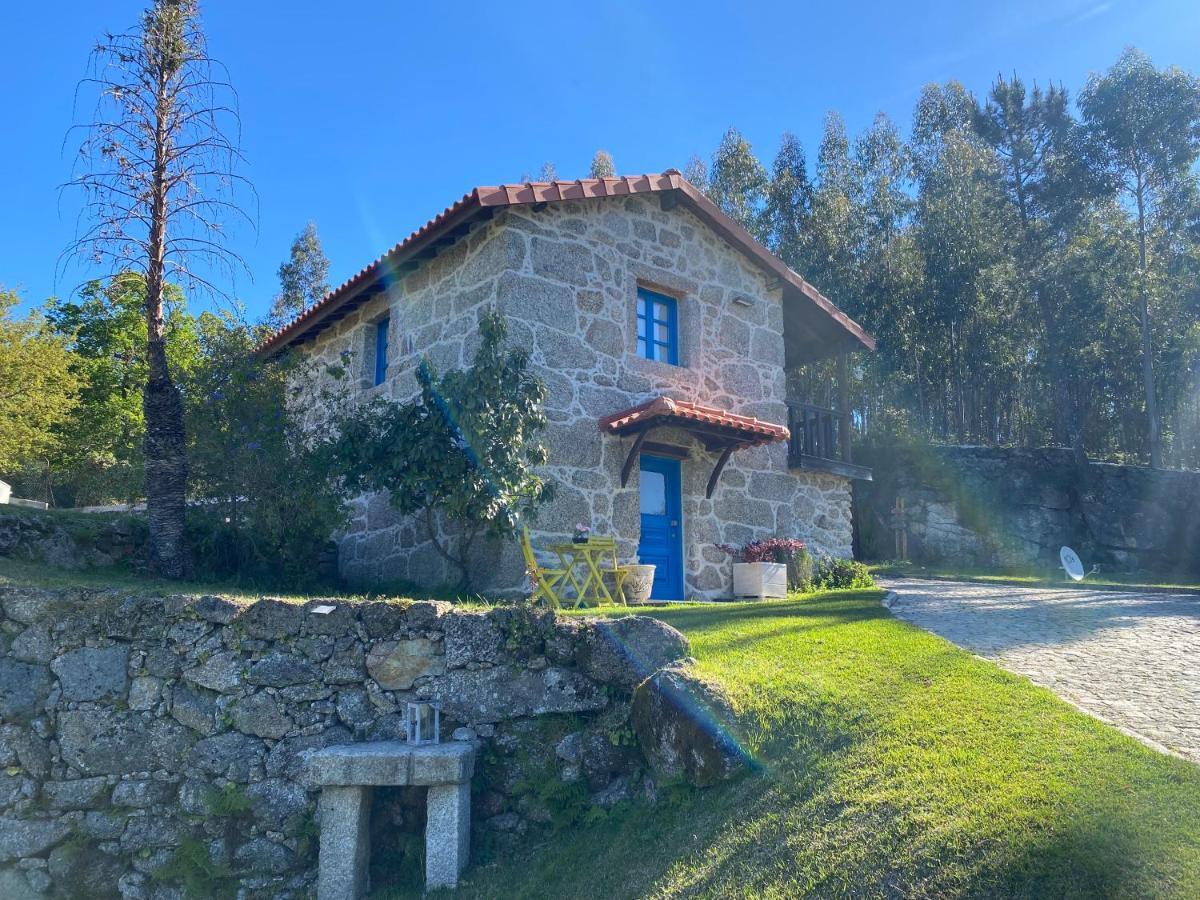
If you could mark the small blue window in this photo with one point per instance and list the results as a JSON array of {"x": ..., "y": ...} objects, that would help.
[
  {"x": 381, "y": 349},
  {"x": 658, "y": 327}
]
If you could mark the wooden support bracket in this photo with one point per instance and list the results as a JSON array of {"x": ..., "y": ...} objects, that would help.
[
  {"x": 716, "y": 472},
  {"x": 633, "y": 454}
]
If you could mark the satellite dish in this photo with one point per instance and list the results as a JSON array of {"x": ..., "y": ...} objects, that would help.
[{"x": 1071, "y": 563}]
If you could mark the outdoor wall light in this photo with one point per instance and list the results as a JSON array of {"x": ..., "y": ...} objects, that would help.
[{"x": 423, "y": 723}]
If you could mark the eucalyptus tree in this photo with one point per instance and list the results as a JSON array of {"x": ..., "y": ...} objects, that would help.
[
  {"x": 737, "y": 182},
  {"x": 1043, "y": 172},
  {"x": 303, "y": 278},
  {"x": 602, "y": 165},
  {"x": 968, "y": 325},
  {"x": 156, "y": 170},
  {"x": 789, "y": 204},
  {"x": 1147, "y": 121},
  {"x": 833, "y": 224},
  {"x": 695, "y": 171}
]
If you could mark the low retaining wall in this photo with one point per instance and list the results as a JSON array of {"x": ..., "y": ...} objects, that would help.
[
  {"x": 151, "y": 742},
  {"x": 1014, "y": 507}
]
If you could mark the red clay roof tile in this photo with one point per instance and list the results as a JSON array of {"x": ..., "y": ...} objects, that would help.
[
  {"x": 666, "y": 411},
  {"x": 480, "y": 199}
]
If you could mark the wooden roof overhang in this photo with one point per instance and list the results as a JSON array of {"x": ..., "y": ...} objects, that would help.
[{"x": 719, "y": 431}]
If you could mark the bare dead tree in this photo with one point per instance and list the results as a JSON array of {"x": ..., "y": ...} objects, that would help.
[{"x": 156, "y": 170}]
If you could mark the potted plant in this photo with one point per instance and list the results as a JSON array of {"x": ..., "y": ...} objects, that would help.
[
  {"x": 757, "y": 571},
  {"x": 582, "y": 533}
]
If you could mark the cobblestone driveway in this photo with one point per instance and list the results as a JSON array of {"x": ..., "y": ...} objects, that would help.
[{"x": 1130, "y": 659}]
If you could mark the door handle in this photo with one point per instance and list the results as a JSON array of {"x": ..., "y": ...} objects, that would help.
[{"x": 674, "y": 523}]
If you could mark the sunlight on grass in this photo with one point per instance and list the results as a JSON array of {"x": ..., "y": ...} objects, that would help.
[{"x": 893, "y": 764}]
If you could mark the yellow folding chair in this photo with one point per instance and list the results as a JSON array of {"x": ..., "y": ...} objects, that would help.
[
  {"x": 544, "y": 580},
  {"x": 608, "y": 547}
]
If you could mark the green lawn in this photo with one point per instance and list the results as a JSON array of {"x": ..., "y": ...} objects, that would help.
[
  {"x": 1029, "y": 577},
  {"x": 892, "y": 764}
]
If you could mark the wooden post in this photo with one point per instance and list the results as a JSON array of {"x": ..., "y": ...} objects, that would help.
[{"x": 843, "y": 374}]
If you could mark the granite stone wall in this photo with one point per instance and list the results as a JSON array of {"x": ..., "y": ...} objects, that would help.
[
  {"x": 991, "y": 506},
  {"x": 147, "y": 741},
  {"x": 566, "y": 278}
]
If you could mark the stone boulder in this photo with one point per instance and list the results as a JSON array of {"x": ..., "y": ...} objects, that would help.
[
  {"x": 395, "y": 665},
  {"x": 685, "y": 724},
  {"x": 625, "y": 652}
]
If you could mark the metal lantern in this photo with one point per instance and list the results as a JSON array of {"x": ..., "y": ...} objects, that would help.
[{"x": 423, "y": 723}]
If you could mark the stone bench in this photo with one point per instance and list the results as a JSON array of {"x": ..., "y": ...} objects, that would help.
[{"x": 347, "y": 773}]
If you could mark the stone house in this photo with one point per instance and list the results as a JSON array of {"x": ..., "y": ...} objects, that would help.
[{"x": 664, "y": 334}]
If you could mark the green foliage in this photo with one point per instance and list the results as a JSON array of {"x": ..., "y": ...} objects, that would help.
[
  {"x": 269, "y": 504},
  {"x": 101, "y": 458},
  {"x": 230, "y": 801},
  {"x": 303, "y": 279},
  {"x": 738, "y": 183},
  {"x": 800, "y": 571},
  {"x": 39, "y": 389},
  {"x": 465, "y": 448},
  {"x": 602, "y": 165},
  {"x": 193, "y": 868},
  {"x": 831, "y": 573},
  {"x": 996, "y": 253}
]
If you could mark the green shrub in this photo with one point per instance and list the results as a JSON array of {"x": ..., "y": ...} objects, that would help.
[
  {"x": 800, "y": 571},
  {"x": 831, "y": 573}
]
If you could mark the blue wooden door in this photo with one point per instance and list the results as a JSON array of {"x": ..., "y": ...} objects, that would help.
[{"x": 662, "y": 545}]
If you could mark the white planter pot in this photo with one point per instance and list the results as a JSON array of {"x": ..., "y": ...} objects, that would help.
[
  {"x": 760, "y": 580},
  {"x": 639, "y": 581}
]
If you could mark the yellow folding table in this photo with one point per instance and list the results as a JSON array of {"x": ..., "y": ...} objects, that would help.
[{"x": 581, "y": 563}]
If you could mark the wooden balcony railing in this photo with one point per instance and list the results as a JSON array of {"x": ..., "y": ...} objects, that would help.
[
  {"x": 817, "y": 441},
  {"x": 814, "y": 431}
]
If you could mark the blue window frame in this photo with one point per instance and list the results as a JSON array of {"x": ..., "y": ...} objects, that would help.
[
  {"x": 657, "y": 326},
  {"x": 381, "y": 349}
]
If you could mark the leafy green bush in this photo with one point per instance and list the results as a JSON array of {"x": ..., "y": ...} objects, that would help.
[
  {"x": 467, "y": 448},
  {"x": 831, "y": 573},
  {"x": 268, "y": 504}
]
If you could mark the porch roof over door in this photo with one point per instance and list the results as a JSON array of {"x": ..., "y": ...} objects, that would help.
[{"x": 718, "y": 430}]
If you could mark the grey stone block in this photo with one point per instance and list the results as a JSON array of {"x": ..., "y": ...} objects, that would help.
[
  {"x": 29, "y": 837},
  {"x": 97, "y": 741},
  {"x": 83, "y": 793},
  {"x": 220, "y": 672},
  {"x": 142, "y": 793},
  {"x": 91, "y": 673},
  {"x": 447, "y": 834},
  {"x": 344, "y": 812},
  {"x": 260, "y": 715},
  {"x": 391, "y": 763},
  {"x": 23, "y": 689},
  {"x": 281, "y": 670},
  {"x": 216, "y": 609}
]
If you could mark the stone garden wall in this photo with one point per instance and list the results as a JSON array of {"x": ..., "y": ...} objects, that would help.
[
  {"x": 566, "y": 278},
  {"x": 148, "y": 743},
  {"x": 993, "y": 506},
  {"x": 73, "y": 540}
]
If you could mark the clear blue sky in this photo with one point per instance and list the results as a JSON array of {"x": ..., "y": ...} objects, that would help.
[{"x": 370, "y": 117}]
